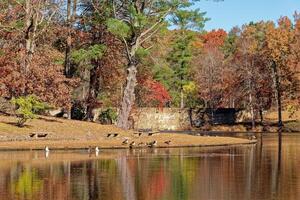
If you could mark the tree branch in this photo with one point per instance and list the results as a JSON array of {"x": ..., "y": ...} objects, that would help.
[
  {"x": 157, "y": 23},
  {"x": 150, "y": 35}
]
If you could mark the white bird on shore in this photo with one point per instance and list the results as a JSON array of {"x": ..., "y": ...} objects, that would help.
[
  {"x": 47, "y": 151},
  {"x": 97, "y": 150}
]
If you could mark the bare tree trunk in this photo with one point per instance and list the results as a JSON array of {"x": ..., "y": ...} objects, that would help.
[
  {"x": 34, "y": 18},
  {"x": 181, "y": 99},
  {"x": 252, "y": 110},
  {"x": 92, "y": 93},
  {"x": 68, "y": 42},
  {"x": 191, "y": 117},
  {"x": 30, "y": 22},
  {"x": 261, "y": 115},
  {"x": 70, "y": 20},
  {"x": 74, "y": 10},
  {"x": 128, "y": 97},
  {"x": 277, "y": 93}
]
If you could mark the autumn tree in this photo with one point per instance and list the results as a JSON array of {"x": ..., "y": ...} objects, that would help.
[
  {"x": 97, "y": 58},
  {"x": 26, "y": 31},
  {"x": 38, "y": 15},
  {"x": 250, "y": 86},
  {"x": 135, "y": 22},
  {"x": 294, "y": 66},
  {"x": 277, "y": 49},
  {"x": 208, "y": 67},
  {"x": 154, "y": 94}
]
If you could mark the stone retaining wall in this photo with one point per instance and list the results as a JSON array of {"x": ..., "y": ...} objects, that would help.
[{"x": 161, "y": 119}]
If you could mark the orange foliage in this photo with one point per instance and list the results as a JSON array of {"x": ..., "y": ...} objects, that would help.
[{"x": 214, "y": 38}]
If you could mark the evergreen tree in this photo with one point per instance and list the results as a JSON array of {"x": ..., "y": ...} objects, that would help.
[{"x": 181, "y": 54}]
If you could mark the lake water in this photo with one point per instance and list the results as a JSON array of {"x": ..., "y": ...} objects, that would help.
[{"x": 250, "y": 172}]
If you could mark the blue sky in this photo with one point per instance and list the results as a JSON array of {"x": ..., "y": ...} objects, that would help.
[{"x": 228, "y": 13}]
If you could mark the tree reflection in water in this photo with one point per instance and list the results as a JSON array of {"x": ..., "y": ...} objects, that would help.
[
  {"x": 268, "y": 170},
  {"x": 27, "y": 184}
]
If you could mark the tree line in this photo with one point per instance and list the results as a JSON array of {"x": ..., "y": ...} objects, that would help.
[{"x": 83, "y": 54}]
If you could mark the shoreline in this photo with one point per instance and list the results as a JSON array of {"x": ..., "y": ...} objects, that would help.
[
  {"x": 177, "y": 141},
  {"x": 54, "y": 148},
  {"x": 71, "y": 134}
]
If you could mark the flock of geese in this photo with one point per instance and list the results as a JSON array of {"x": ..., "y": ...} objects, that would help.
[{"x": 132, "y": 144}]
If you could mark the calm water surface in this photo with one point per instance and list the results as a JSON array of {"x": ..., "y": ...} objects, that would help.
[{"x": 259, "y": 171}]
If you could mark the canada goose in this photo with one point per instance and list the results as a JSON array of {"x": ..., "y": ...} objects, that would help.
[
  {"x": 32, "y": 135},
  {"x": 125, "y": 141},
  {"x": 152, "y": 144},
  {"x": 168, "y": 142},
  {"x": 116, "y": 134},
  {"x": 152, "y": 133},
  {"x": 138, "y": 133},
  {"x": 132, "y": 144},
  {"x": 108, "y": 135},
  {"x": 42, "y": 135},
  {"x": 47, "y": 149}
]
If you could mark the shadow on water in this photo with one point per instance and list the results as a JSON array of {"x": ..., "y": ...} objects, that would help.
[{"x": 267, "y": 170}]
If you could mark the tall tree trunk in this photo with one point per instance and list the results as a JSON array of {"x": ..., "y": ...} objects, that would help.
[
  {"x": 30, "y": 32},
  {"x": 70, "y": 20},
  {"x": 277, "y": 93},
  {"x": 181, "y": 99},
  {"x": 252, "y": 110},
  {"x": 181, "y": 88},
  {"x": 128, "y": 96},
  {"x": 191, "y": 117},
  {"x": 92, "y": 93},
  {"x": 68, "y": 42},
  {"x": 74, "y": 10},
  {"x": 261, "y": 116}
]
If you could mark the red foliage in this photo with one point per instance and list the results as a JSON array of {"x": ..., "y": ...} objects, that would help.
[{"x": 156, "y": 93}]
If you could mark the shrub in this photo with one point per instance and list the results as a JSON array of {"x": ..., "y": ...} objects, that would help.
[
  {"x": 78, "y": 110},
  {"x": 108, "y": 116},
  {"x": 27, "y": 107}
]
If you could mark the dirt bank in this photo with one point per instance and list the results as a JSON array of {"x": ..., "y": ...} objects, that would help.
[{"x": 72, "y": 134}]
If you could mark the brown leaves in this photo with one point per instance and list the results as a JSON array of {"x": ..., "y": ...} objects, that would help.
[{"x": 45, "y": 80}]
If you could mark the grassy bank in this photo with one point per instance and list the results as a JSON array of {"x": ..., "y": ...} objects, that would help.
[{"x": 64, "y": 133}]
